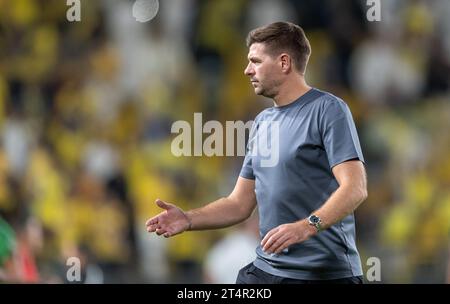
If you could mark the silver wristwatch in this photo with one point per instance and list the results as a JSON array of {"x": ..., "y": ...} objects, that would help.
[{"x": 315, "y": 221}]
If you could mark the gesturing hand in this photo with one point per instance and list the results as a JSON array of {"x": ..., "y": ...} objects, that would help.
[
  {"x": 281, "y": 237},
  {"x": 170, "y": 222}
]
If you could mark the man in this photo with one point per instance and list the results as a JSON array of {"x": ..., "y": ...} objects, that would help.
[{"x": 306, "y": 201}]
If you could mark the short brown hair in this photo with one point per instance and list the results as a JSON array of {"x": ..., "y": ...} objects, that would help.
[{"x": 281, "y": 37}]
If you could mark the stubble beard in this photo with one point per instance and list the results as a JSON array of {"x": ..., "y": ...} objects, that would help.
[{"x": 269, "y": 91}]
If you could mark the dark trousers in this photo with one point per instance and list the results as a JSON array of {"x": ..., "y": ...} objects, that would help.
[{"x": 250, "y": 274}]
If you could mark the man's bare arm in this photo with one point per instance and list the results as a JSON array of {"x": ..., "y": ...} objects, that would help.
[
  {"x": 227, "y": 211},
  {"x": 352, "y": 191},
  {"x": 221, "y": 213}
]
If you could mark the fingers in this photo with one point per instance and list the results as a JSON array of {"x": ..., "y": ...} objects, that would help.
[
  {"x": 282, "y": 245},
  {"x": 152, "y": 221},
  {"x": 165, "y": 233},
  {"x": 274, "y": 242},
  {"x": 160, "y": 231},
  {"x": 163, "y": 205},
  {"x": 268, "y": 236},
  {"x": 277, "y": 239},
  {"x": 152, "y": 228},
  {"x": 163, "y": 223}
]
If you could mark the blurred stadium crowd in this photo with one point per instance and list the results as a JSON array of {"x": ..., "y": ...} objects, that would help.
[{"x": 86, "y": 110}]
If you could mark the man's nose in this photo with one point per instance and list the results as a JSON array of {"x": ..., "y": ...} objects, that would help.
[{"x": 248, "y": 70}]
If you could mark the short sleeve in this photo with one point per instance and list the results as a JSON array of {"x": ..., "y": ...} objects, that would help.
[
  {"x": 247, "y": 168},
  {"x": 339, "y": 135}
]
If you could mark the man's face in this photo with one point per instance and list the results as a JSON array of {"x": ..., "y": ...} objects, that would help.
[{"x": 264, "y": 71}]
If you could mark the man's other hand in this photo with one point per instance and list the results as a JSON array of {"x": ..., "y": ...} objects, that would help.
[{"x": 170, "y": 222}]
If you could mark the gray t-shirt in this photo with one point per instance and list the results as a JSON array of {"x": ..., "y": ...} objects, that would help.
[{"x": 312, "y": 135}]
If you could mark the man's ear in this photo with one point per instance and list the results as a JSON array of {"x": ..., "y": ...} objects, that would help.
[{"x": 286, "y": 62}]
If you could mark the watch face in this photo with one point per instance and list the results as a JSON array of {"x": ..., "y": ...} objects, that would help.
[{"x": 314, "y": 219}]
